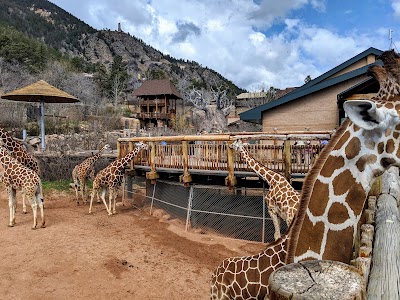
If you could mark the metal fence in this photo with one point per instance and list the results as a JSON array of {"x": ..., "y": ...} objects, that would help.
[{"x": 239, "y": 213}]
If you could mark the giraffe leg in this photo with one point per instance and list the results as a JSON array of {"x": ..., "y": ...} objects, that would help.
[
  {"x": 12, "y": 201},
  {"x": 23, "y": 202},
  {"x": 103, "y": 197},
  {"x": 39, "y": 201},
  {"x": 94, "y": 191},
  {"x": 34, "y": 206},
  {"x": 83, "y": 191},
  {"x": 115, "y": 193},
  {"x": 110, "y": 198},
  {"x": 276, "y": 221}
]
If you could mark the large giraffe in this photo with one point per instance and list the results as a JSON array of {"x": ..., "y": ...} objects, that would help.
[
  {"x": 15, "y": 176},
  {"x": 334, "y": 193},
  {"x": 111, "y": 178},
  {"x": 282, "y": 199},
  {"x": 18, "y": 151},
  {"x": 85, "y": 170}
]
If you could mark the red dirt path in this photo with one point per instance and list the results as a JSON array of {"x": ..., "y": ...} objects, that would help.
[{"x": 131, "y": 255}]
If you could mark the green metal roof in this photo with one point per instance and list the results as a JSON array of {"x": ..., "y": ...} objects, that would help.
[{"x": 315, "y": 85}]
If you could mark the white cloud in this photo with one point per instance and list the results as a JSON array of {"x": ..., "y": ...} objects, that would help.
[{"x": 236, "y": 38}]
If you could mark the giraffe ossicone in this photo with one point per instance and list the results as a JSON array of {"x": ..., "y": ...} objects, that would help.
[{"x": 334, "y": 192}]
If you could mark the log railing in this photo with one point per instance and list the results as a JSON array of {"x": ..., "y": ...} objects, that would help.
[{"x": 291, "y": 154}]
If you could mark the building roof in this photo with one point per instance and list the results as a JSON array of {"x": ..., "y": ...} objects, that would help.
[
  {"x": 157, "y": 87},
  {"x": 321, "y": 82}
]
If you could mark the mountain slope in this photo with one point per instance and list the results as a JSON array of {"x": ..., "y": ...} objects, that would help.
[{"x": 59, "y": 29}]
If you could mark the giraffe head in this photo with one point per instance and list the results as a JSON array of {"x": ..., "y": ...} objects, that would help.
[
  {"x": 106, "y": 148},
  {"x": 379, "y": 119},
  {"x": 237, "y": 145},
  {"x": 140, "y": 145}
]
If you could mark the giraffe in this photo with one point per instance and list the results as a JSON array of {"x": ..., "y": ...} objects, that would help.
[
  {"x": 111, "y": 178},
  {"x": 335, "y": 189},
  {"x": 246, "y": 277},
  {"x": 85, "y": 170},
  {"x": 15, "y": 176},
  {"x": 282, "y": 199},
  {"x": 18, "y": 151}
]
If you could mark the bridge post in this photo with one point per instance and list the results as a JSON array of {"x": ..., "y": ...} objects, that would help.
[
  {"x": 230, "y": 180},
  {"x": 287, "y": 159},
  {"x": 186, "y": 178},
  {"x": 152, "y": 175}
]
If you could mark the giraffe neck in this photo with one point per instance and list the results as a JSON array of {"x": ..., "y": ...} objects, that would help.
[
  {"x": 334, "y": 194},
  {"x": 8, "y": 141},
  {"x": 388, "y": 89},
  {"x": 91, "y": 160},
  {"x": 123, "y": 161},
  {"x": 269, "y": 176}
]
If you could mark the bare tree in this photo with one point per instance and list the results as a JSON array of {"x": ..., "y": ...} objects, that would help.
[{"x": 213, "y": 106}]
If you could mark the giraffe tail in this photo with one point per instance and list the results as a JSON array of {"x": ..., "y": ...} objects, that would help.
[{"x": 39, "y": 192}]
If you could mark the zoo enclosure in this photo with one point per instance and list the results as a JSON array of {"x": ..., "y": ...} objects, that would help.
[
  {"x": 237, "y": 213},
  {"x": 291, "y": 154}
]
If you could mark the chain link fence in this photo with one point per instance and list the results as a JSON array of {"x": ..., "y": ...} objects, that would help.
[{"x": 239, "y": 213}]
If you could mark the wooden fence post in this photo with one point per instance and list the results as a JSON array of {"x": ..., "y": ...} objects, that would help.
[
  {"x": 230, "y": 180},
  {"x": 152, "y": 175},
  {"x": 186, "y": 178},
  {"x": 287, "y": 159}
]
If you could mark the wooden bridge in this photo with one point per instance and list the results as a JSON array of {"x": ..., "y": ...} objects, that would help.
[{"x": 291, "y": 154}]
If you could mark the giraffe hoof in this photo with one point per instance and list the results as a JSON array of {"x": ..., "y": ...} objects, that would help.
[
  {"x": 10, "y": 225},
  {"x": 33, "y": 227}
]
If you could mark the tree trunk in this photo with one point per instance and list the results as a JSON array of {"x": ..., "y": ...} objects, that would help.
[
  {"x": 317, "y": 279},
  {"x": 384, "y": 281}
]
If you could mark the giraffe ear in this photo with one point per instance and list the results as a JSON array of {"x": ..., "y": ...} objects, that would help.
[{"x": 364, "y": 113}]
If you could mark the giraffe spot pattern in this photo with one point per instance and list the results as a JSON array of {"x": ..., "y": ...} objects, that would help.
[
  {"x": 340, "y": 182},
  {"x": 322, "y": 192},
  {"x": 342, "y": 242},
  {"x": 365, "y": 160},
  {"x": 311, "y": 236},
  {"x": 390, "y": 146},
  {"x": 332, "y": 163},
  {"x": 345, "y": 137},
  {"x": 337, "y": 213},
  {"x": 353, "y": 148},
  {"x": 380, "y": 147}
]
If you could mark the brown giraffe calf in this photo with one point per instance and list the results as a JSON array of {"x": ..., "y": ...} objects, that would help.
[
  {"x": 85, "y": 170},
  {"x": 111, "y": 178},
  {"x": 17, "y": 176},
  {"x": 282, "y": 199}
]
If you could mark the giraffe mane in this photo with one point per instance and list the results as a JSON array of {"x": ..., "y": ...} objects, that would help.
[{"x": 308, "y": 187}]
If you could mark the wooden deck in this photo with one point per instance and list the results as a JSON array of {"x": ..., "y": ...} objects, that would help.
[{"x": 291, "y": 154}]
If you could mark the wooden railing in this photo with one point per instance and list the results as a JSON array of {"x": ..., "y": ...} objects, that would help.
[{"x": 211, "y": 153}]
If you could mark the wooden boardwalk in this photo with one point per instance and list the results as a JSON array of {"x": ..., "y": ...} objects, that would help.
[{"x": 291, "y": 154}]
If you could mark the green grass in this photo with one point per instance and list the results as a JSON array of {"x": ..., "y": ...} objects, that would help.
[{"x": 59, "y": 185}]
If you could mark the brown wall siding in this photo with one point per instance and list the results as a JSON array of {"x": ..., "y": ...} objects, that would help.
[
  {"x": 359, "y": 64},
  {"x": 317, "y": 111}
]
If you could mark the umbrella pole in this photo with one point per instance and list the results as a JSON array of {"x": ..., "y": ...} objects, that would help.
[{"x": 42, "y": 125}]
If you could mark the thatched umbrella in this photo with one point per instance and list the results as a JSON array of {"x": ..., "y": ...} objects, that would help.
[{"x": 42, "y": 92}]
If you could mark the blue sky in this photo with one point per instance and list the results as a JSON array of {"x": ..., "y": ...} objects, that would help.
[{"x": 255, "y": 44}]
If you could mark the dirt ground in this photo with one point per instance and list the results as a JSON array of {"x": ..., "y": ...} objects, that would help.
[{"x": 131, "y": 255}]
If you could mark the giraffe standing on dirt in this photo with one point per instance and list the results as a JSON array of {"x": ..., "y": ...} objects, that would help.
[
  {"x": 111, "y": 178},
  {"x": 282, "y": 199},
  {"x": 17, "y": 176},
  {"x": 18, "y": 151},
  {"x": 335, "y": 189},
  {"x": 85, "y": 170}
]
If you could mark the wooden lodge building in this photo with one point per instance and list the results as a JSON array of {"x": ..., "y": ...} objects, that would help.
[
  {"x": 318, "y": 104},
  {"x": 156, "y": 102}
]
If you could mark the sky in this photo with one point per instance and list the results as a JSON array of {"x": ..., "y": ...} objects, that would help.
[{"x": 254, "y": 43}]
